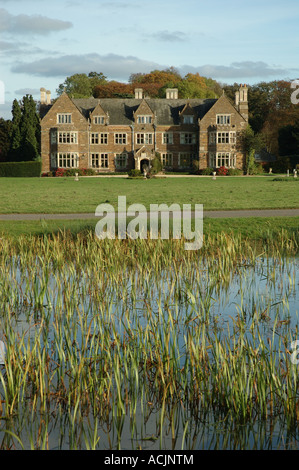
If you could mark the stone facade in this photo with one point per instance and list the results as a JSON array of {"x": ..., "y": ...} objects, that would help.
[{"x": 120, "y": 134}]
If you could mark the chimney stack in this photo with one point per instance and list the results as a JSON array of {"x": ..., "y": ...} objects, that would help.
[
  {"x": 48, "y": 93},
  {"x": 43, "y": 96},
  {"x": 241, "y": 98},
  {"x": 172, "y": 93},
  {"x": 138, "y": 93}
]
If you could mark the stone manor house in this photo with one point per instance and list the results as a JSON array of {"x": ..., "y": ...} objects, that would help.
[{"x": 115, "y": 134}]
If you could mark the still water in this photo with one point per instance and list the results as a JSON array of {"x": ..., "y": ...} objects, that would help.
[{"x": 265, "y": 291}]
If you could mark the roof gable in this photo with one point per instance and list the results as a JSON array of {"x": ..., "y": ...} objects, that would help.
[
  {"x": 221, "y": 105},
  {"x": 122, "y": 111},
  {"x": 187, "y": 110},
  {"x": 98, "y": 111},
  {"x": 63, "y": 104},
  {"x": 143, "y": 109}
]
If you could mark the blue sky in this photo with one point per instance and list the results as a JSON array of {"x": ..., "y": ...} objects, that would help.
[{"x": 43, "y": 42}]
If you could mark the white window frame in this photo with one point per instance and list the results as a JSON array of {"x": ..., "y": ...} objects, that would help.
[
  {"x": 94, "y": 138},
  {"x": 223, "y": 137},
  {"x": 187, "y": 138},
  {"x": 64, "y": 157},
  {"x": 64, "y": 118},
  {"x": 120, "y": 138},
  {"x": 223, "y": 119},
  {"x": 226, "y": 137},
  {"x": 67, "y": 137},
  {"x": 167, "y": 159},
  {"x": 121, "y": 160},
  {"x": 144, "y": 119},
  {"x": 226, "y": 159},
  {"x": 167, "y": 138},
  {"x": 99, "y": 160},
  {"x": 144, "y": 138},
  {"x": 104, "y": 138},
  {"x": 99, "y": 120}
]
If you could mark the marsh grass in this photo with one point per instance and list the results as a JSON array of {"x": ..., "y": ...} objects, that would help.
[{"x": 117, "y": 344}]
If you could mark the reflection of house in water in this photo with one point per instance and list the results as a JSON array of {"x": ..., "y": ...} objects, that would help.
[{"x": 115, "y": 134}]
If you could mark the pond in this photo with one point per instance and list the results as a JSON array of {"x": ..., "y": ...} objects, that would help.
[{"x": 197, "y": 355}]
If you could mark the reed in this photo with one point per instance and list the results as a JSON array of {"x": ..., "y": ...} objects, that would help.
[{"x": 109, "y": 343}]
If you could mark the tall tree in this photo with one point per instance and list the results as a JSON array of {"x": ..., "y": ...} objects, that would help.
[
  {"x": 5, "y": 138},
  {"x": 288, "y": 140},
  {"x": 81, "y": 85},
  {"x": 16, "y": 140},
  {"x": 25, "y": 134},
  {"x": 113, "y": 89},
  {"x": 29, "y": 130},
  {"x": 252, "y": 143}
]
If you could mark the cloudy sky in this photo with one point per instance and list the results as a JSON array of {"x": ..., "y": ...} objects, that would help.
[{"x": 43, "y": 42}]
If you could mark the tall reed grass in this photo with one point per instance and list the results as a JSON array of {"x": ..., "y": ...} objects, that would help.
[{"x": 116, "y": 343}]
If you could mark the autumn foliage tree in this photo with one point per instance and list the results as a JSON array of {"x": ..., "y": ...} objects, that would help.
[
  {"x": 155, "y": 83},
  {"x": 270, "y": 110},
  {"x": 113, "y": 89}
]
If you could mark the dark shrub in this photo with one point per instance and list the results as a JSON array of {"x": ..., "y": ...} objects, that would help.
[{"x": 20, "y": 169}]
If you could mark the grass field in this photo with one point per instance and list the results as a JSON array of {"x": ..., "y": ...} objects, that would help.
[
  {"x": 255, "y": 228},
  {"x": 64, "y": 195}
]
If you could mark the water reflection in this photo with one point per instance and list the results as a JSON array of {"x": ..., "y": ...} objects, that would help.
[{"x": 64, "y": 312}]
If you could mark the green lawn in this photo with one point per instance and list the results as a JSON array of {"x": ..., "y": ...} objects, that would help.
[
  {"x": 64, "y": 195},
  {"x": 254, "y": 228}
]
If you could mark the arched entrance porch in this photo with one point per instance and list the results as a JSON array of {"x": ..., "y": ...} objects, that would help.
[{"x": 143, "y": 158}]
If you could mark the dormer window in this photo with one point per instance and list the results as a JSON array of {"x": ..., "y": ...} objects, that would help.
[
  {"x": 188, "y": 119},
  {"x": 144, "y": 119},
  {"x": 99, "y": 119}
]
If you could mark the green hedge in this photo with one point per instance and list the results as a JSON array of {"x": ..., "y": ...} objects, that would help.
[{"x": 22, "y": 169}]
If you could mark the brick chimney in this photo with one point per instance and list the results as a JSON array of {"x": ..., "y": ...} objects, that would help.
[
  {"x": 48, "y": 94},
  {"x": 43, "y": 96},
  {"x": 241, "y": 101},
  {"x": 138, "y": 93},
  {"x": 172, "y": 93}
]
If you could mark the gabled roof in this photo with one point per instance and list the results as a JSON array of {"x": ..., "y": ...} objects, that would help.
[
  {"x": 144, "y": 108},
  {"x": 121, "y": 110},
  {"x": 98, "y": 110},
  {"x": 225, "y": 97},
  {"x": 187, "y": 109}
]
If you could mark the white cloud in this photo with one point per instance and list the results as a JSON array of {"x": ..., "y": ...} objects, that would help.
[
  {"x": 245, "y": 69},
  {"x": 120, "y": 67},
  {"x": 27, "y": 91},
  {"x": 30, "y": 24},
  {"x": 112, "y": 65}
]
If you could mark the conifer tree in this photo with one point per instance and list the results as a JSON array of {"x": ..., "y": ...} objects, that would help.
[
  {"x": 5, "y": 137},
  {"x": 28, "y": 128},
  {"x": 15, "y": 145},
  {"x": 25, "y": 136}
]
